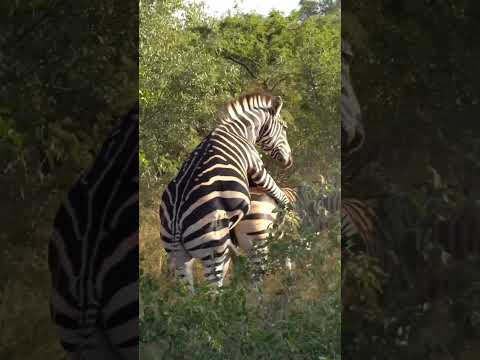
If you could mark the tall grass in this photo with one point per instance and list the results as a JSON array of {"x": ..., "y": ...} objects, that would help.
[{"x": 26, "y": 331}]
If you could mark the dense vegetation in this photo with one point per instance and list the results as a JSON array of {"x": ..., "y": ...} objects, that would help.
[
  {"x": 416, "y": 77},
  {"x": 190, "y": 65},
  {"x": 67, "y": 70}
]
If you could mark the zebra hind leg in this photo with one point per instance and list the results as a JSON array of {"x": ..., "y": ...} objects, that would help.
[{"x": 216, "y": 265}]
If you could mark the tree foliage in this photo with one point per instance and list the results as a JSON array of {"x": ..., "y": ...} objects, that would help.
[
  {"x": 67, "y": 71},
  {"x": 191, "y": 64},
  {"x": 416, "y": 77}
]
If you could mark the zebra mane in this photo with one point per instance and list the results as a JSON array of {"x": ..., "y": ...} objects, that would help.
[
  {"x": 268, "y": 97},
  {"x": 270, "y": 101},
  {"x": 266, "y": 110}
]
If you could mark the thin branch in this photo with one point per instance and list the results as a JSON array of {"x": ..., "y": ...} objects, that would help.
[
  {"x": 157, "y": 169},
  {"x": 279, "y": 82},
  {"x": 312, "y": 83},
  {"x": 242, "y": 64}
]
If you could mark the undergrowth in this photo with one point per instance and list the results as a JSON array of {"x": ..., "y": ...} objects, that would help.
[
  {"x": 26, "y": 331},
  {"x": 291, "y": 315}
]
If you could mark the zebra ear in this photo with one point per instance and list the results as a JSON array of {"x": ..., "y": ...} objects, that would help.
[{"x": 277, "y": 104}]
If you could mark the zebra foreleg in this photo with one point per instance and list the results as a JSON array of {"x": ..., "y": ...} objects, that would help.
[{"x": 263, "y": 179}]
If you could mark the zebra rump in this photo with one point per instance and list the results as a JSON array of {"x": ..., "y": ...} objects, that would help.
[
  {"x": 93, "y": 254},
  {"x": 251, "y": 233}
]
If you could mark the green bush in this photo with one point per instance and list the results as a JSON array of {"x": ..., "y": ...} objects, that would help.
[{"x": 298, "y": 319}]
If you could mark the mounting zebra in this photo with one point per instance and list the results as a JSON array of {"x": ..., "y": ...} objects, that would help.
[
  {"x": 93, "y": 254},
  {"x": 353, "y": 133},
  {"x": 210, "y": 194}
]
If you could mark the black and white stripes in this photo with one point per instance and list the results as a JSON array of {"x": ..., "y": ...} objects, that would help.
[
  {"x": 93, "y": 254},
  {"x": 357, "y": 219},
  {"x": 210, "y": 194},
  {"x": 251, "y": 233}
]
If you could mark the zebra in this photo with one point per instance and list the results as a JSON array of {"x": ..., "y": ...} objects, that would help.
[
  {"x": 93, "y": 254},
  {"x": 353, "y": 133},
  {"x": 357, "y": 219},
  {"x": 210, "y": 195},
  {"x": 251, "y": 233}
]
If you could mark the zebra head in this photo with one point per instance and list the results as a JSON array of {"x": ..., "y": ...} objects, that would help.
[
  {"x": 273, "y": 134},
  {"x": 352, "y": 128}
]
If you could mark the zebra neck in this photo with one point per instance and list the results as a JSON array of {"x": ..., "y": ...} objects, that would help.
[{"x": 247, "y": 134}]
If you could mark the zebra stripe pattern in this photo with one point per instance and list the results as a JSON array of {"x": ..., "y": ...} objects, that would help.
[
  {"x": 251, "y": 233},
  {"x": 353, "y": 134},
  {"x": 210, "y": 195},
  {"x": 93, "y": 254},
  {"x": 357, "y": 219}
]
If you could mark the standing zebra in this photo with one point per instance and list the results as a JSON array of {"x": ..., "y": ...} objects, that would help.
[
  {"x": 353, "y": 134},
  {"x": 93, "y": 254},
  {"x": 210, "y": 195},
  {"x": 357, "y": 219},
  {"x": 251, "y": 233}
]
